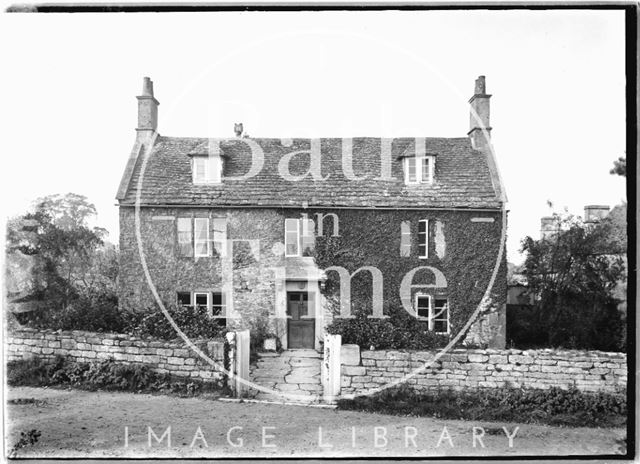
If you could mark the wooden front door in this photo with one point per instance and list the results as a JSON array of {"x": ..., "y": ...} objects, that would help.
[{"x": 301, "y": 326}]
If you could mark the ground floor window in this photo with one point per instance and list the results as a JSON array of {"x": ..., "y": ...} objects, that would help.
[
  {"x": 218, "y": 304},
  {"x": 214, "y": 302},
  {"x": 423, "y": 305},
  {"x": 435, "y": 310},
  {"x": 439, "y": 320},
  {"x": 184, "y": 298}
]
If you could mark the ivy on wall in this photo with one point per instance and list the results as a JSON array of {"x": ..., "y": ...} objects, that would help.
[{"x": 372, "y": 238}]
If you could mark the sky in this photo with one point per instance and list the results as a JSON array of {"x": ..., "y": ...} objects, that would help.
[{"x": 69, "y": 82}]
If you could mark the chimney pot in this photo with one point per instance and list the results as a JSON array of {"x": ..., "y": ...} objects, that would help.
[
  {"x": 480, "y": 85},
  {"x": 147, "y": 87}
]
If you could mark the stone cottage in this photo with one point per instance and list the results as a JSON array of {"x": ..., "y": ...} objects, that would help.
[{"x": 276, "y": 233}]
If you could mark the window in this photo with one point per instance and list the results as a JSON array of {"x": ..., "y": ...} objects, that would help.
[
  {"x": 405, "y": 239},
  {"x": 201, "y": 300},
  {"x": 220, "y": 235},
  {"x": 184, "y": 298},
  {"x": 418, "y": 170},
  {"x": 207, "y": 169},
  {"x": 291, "y": 237},
  {"x": 218, "y": 304},
  {"x": 185, "y": 237},
  {"x": 201, "y": 237},
  {"x": 308, "y": 235},
  {"x": 423, "y": 238},
  {"x": 423, "y": 305},
  {"x": 439, "y": 319}
]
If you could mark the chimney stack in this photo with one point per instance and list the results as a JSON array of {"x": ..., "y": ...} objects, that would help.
[
  {"x": 479, "y": 116},
  {"x": 548, "y": 227},
  {"x": 595, "y": 213},
  {"x": 147, "y": 109},
  {"x": 238, "y": 129}
]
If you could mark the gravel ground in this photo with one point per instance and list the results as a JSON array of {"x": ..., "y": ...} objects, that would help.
[{"x": 92, "y": 424}]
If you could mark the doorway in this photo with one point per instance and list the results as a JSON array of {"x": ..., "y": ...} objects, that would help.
[{"x": 301, "y": 325}]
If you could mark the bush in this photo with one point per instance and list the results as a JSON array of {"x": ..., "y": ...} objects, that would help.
[
  {"x": 96, "y": 313},
  {"x": 553, "y": 406},
  {"x": 104, "y": 375},
  {"x": 192, "y": 320},
  {"x": 399, "y": 331}
]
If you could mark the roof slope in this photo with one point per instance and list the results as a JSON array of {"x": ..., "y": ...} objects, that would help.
[{"x": 463, "y": 178}]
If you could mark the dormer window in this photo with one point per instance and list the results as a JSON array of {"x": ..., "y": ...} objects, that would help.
[
  {"x": 207, "y": 169},
  {"x": 418, "y": 169}
]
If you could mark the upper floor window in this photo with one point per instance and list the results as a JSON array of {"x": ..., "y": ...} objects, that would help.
[
  {"x": 298, "y": 236},
  {"x": 207, "y": 169},
  {"x": 418, "y": 169},
  {"x": 423, "y": 238},
  {"x": 201, "y": 237},
  {"x": 194, "y": 236}
]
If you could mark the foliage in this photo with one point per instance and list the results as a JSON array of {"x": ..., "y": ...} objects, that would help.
[
  {"x": 572, "y": 274},
  {"x": 619, "y": 167},
  {"x": 260, "y": 331},
  {"x": 399, "y": 331},
  {"x": 105, "y": 375},
  {"x": 553, "y": 406},
  {"x": 29, "y": 438},
  {"x": 192, "y": 320},
  {"x": 373, "y": 239},
  {"x": 58, "y": 267}
]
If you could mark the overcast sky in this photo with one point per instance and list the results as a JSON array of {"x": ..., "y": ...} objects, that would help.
[{"x": 69, "y": 81}]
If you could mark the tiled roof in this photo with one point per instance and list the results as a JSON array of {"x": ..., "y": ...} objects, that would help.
[{"x": 462, "y": 177}]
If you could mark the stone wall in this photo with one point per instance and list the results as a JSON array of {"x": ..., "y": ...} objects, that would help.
[
  {"x": 164, "y": 357},
  {"x": 462, "y": 369}
]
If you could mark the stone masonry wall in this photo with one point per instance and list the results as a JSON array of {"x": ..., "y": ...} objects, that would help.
[
  {"x": 466, "y": 369},
  {"x": 164, "y": 357}
]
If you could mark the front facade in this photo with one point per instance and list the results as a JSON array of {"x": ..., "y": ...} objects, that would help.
[{"x": 273, "y": 234}]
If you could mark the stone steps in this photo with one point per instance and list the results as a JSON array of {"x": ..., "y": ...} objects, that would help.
[{"x": 295, "y": 373}]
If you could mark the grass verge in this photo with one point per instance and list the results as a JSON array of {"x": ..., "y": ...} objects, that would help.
[
  {"x": 552, "y": 407},
  {"x": 104, "y": 375}
]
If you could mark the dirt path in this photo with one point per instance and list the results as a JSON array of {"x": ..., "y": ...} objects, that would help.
[{"x": 84, "y": 424}]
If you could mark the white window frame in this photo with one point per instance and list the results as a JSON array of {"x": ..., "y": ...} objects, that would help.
[
  {"x": 207, "y": 240},
  {"x": 419, "y": 160},
  {"x": 432, "y": 316},
  {"x": 207, "y": 294},
  {"x": 212, "y": 166},
  {"x": 220, "y": 236},
  {"x": 297, "y": 240},
  {"x": 223, "y": 304},
  {"x": 405, "y": 239},
  {"x": 415, "y": 304},
  {"x": 426, "y": 238}
]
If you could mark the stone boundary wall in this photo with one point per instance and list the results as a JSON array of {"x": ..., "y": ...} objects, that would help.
[
  {"x": 462, "y": 369},
  {"x": 165, "y": 357}
]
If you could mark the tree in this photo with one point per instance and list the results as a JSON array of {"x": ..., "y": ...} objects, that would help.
[
  {"x": 71, "y": 268},
  {"x": 619, "y": 167},
  {"x": 572, "y": 275}
]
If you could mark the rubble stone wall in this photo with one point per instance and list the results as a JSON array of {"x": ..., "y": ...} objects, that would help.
[
  {"x": 167, "y": 357},
  {"x": 462, "y": 369}
]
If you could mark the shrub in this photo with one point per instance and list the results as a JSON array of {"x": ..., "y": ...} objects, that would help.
[
  {"x": 106, "y": 375},
  {"x": 399, "y": 331},
  {"x": 192, "y": 320},
  {"x": 553, "y": 406},
  {"x": 96, "y": 313}
]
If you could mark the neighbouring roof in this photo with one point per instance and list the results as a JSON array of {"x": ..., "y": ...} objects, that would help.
[{"x": 463, "y": 177}]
